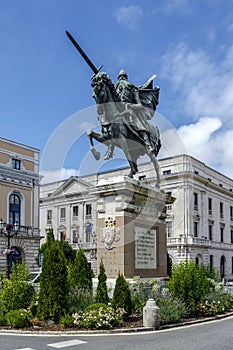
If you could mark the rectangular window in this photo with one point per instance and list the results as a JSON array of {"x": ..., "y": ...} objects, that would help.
[
  {"x": 76, "y": 236},
  {"x": 88, "y": 233},
  {"x": 62, "y": 235},
  {"x": 49, "y": 216},
  {"x": 221, "y": 210},
  {"x": 231, "y": 213},
  {"x": 75, "y": 211},
  {"x": 88, "y": 211},
  {"x": 210, "y": 232},
  {"x": 211, "y": 261},
  {"x": 167, "y": 172},
  {"x": 221, "y": 234},
  {"x": 62, "y": 214},
  {"x": 195, "y": 229},
  {"x": 16, "y": 164},
  {"x": 210, "y": 206},
  {"x": 195, "y": 201},
  {"x": 169, "y": 228},
  {"x": 231, "y": 235}
]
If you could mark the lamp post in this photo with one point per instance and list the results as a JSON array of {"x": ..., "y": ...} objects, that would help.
[{"x": 9, "y": 231}]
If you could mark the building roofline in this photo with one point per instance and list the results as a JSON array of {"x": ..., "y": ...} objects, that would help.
[
  {"x": 159, "y": 160},
  {"x": 15, "y": 143}
]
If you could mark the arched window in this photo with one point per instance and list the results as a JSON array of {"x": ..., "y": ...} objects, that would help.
[
  {"x": 14, "y": 208},
  {"x": 197, "y": 260}
]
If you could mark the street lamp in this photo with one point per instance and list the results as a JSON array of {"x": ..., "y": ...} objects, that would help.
[{"x": 9, "y": 231}]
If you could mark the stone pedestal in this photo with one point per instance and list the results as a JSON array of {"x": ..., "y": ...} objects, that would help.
[{"x": 131, "y": 235}]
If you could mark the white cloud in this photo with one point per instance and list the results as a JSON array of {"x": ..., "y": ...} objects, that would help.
[
  {"x": 204, "y": 140},
  {"x": 57, "y": 175},
  {"x": 205, "y": 86},
  {"x": 183, "y": 6},
  {"x": 198, "y": 137},
  {"x": 129, "y": 16}
]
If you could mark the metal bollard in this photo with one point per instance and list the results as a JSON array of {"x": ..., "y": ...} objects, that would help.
[{"x": 151, "y": 314}]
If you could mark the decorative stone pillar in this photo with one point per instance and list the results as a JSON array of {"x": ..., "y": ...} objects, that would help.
[
  {"x": 131, "y": 235},
  {"x": 151, "y": 315}
]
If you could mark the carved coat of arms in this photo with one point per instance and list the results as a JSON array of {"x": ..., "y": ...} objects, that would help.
[{"x": 110, "y": 234}]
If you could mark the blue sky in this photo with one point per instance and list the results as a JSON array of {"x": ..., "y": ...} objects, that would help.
[{"x": 45, "y": 82}]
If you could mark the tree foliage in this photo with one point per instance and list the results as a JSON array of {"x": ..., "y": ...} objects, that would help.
[
  {"x": 66, "y": 247},
  {"x": 81, "y": 273},
  {"x": 122, "y": 295},
  {"x": 16, "y": 293},
  {"x": 190, "y": 283},
  {"x": 54, "y": 289},
  {"x": 102, "y": 289}
]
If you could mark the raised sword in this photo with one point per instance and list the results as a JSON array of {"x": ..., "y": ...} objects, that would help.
[{"x": 82, "y": 53}]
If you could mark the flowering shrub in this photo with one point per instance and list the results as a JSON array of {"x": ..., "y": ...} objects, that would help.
[
  {"x": 99, "y": 317},
  {"x": 208, "y": 308},
  {"x": 216, "y": 302}
]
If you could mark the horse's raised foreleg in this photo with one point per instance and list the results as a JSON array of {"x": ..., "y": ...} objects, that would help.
[{"x": 91, "y": 134}]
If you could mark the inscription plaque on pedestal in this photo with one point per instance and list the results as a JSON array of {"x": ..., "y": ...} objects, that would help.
[{"x": 145, "y": 248}]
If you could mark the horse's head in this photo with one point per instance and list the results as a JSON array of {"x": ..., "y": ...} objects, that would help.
[
  {"x": 100, "y": 88},
  {"x": 103, "y": 89}
]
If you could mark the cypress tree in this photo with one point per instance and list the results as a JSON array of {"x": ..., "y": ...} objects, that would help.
[
  {"x": 43, "y": 247},
  {"x": 66, "y": 247},
  {"x": 53, "y": 294},
  {"x": 122, "y": 295},
  {"x": 102, "y": 289},
  {"x": 81, "y": 273}
]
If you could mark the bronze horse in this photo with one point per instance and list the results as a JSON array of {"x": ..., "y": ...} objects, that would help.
[{"x": 117, "y": 121}]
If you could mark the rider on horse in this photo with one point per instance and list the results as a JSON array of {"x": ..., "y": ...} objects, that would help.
[{"x": 137, "y": 114}]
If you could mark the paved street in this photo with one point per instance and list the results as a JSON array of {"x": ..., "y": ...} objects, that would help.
[{"x": 214, "y": 335}]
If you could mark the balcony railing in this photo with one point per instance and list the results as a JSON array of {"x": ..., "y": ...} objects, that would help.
[
  {"x": 85, "y": 245},
  {"x": 183, "y": 240},
  {"x": 27, "y": 231}
]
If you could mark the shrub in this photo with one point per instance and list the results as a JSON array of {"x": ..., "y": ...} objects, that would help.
[
  {"x": 99, "y": 316},
  {"x": 96, "y": 306},
  {"x": 216, "y": 302},
  {"x": 18, "y": 318},
  {"x": 67, "y": 321},
  {"x": 81, "y": 273},
  {"x": 189, "y": 282},
  {"x": 102, "y": 289},
  {"x": 79, "y": 298},
  {"x": 53, "y": 294},
  {"x": 141, "y": 291},
  {"x": 2, "y": 320},
  {"x": 16, "y": 292},
  {"x": 171, "y": 309},
  {"x": 122, "y": 295}
]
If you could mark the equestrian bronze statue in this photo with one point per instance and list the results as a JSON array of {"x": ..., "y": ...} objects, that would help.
[{"x": 124, "y": 111}]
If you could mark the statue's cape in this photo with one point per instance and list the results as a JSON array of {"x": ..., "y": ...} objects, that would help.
[{"x": 148, "y": 94}]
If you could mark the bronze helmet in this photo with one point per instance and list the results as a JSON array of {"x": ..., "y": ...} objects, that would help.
[{"x": 122, "y": 73}]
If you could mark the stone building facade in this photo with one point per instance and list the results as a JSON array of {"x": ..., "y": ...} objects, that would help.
[
  {"x": 199, "y": 207},
  {"x": 19, "y": 193}
]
